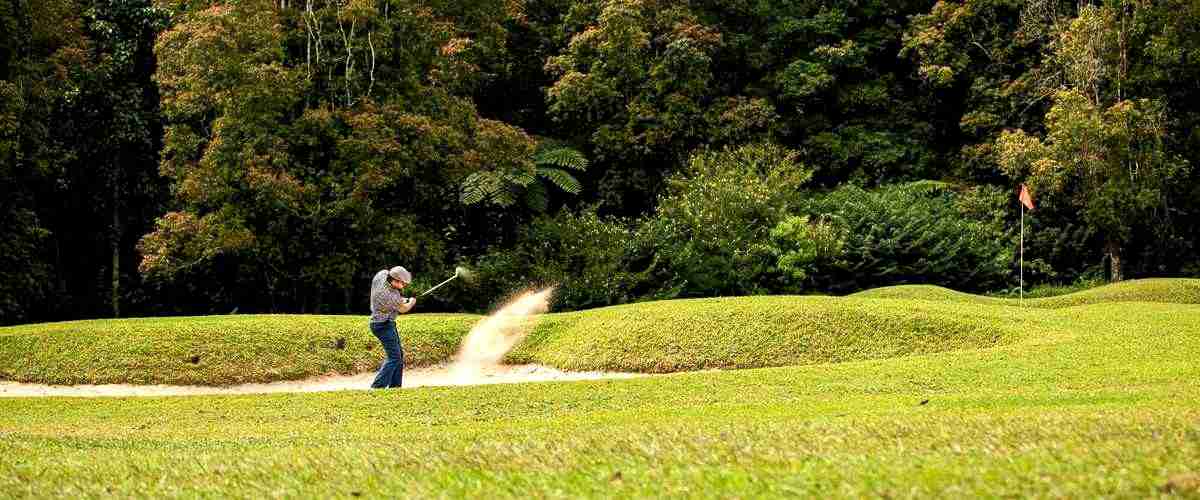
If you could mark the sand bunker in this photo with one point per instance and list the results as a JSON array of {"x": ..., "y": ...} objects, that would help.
[
  {"x": 477, "y": 362},
  {"x": 441, "y": 375}
]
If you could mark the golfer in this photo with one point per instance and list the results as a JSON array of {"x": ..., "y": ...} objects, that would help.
[{"x": 386, "y": 303}]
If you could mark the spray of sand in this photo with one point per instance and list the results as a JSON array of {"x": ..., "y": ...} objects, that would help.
[{"x": 492, "y": 338}]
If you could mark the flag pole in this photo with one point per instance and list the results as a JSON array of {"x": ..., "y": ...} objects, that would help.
[{"x": 1022, "y": 285}]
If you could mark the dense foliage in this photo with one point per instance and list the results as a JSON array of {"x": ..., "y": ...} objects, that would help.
[
  {"x": 911, "y": 233},
  {"x": 172, "y": 156}
]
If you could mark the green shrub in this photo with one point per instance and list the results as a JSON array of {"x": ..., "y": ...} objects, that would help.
[
  {"x": 911, "y": 233},
  {"x": 711, "y": 228},
  {"x": 800, "y": 244},
  {"x": 587, "y": 256}
]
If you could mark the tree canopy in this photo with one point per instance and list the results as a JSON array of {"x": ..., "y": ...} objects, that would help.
[{"x": 171, "y": 156}]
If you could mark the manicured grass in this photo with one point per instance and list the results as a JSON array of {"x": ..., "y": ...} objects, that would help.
[
  {"x": 214, "y": 350},
  {"x": 1085, "y": 402},
  {"x": 1169, "y": 290},
  {"x": 746, "y": 332},
  {"x": 655, "y": 337},
  {"x": 753, "y": 332}
]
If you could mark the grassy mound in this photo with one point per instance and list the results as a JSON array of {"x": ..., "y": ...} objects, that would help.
[
  {"x": 752, "y": 332},
  {"x": 667, "y": 336},
  {"x": 215, "y": 350},
  {"x": 1166, "y": 290}
]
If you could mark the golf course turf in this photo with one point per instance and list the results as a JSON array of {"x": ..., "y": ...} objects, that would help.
[{"x": 898, "y": 397}]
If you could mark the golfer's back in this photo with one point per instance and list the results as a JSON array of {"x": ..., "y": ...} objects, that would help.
[{"x": 385, "y": 300}]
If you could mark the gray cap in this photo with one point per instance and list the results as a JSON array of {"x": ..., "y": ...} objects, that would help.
[{"x": 400, "y": 274}]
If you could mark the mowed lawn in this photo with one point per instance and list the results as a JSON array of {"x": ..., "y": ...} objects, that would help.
[{"x": 1078, "y": 401}]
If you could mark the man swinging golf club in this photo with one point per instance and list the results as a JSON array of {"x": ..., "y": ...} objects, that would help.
[{"x": 386, "y": 303}]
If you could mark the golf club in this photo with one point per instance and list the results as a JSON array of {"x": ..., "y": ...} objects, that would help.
[{"x": 458, "y": 271}]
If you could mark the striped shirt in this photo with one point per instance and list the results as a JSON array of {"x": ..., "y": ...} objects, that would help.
[{"x": 386, "y": 301}]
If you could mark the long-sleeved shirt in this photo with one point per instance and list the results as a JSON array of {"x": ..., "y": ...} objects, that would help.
[{"x": 386, "y": 302}]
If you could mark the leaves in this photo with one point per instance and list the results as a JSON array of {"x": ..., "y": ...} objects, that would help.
[
  {"x": 564, "y": 157},
  {"x": 561, "y": 178}
]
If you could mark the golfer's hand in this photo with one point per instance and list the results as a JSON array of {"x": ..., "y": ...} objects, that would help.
[{"x": 408, "y": 305}]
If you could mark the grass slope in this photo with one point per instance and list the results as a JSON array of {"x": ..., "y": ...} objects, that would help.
[
  {"x": 753, "y": 332},
  {"x": 1167, "y": 290},
  {"x": 666, "y": 336},
  {"x": 746, "y": 332},
  {"x": 1093, "y": 401},
  {"x": 214, "y": 350}
]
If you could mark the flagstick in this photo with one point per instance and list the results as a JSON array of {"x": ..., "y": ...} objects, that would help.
[{"x": 1022, "y": 252}]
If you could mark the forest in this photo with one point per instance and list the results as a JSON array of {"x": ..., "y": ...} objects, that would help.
[{"x": 172, "y": 157}]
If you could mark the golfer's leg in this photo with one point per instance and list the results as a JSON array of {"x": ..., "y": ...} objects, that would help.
[
  {"x": 384, "y": 377},
  {"x": 398, "y": 375},
  {"x": 386, "y": 334}
]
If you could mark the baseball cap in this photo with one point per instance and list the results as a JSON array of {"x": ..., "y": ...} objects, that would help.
[{"x": 400, "y": 274}]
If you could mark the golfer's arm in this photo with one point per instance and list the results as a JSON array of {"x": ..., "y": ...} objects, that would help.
[{"x": 405, "y": 306}]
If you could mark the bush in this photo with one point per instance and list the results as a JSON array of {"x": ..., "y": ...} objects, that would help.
[
  {"x": 800, "y": 245},
  {"x": 590, "y": 258},
  {"x": 710, "y": 229},
  {"x": 912, "y": 233}
]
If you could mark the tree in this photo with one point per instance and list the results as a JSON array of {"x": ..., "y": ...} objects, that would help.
[
  {"x": 978, "y": 64},
  {"x": 919, "y": 232},
  {"x": 1102, "y": 153},
  {"x": 116, "y": 95},
  {"x": 310, "y": 144}
]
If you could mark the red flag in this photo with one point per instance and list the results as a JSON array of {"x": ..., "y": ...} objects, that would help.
[{"x": 1025, "y": 198}]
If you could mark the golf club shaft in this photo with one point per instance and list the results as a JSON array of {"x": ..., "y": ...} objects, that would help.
[{"x": 435, "y": 287}]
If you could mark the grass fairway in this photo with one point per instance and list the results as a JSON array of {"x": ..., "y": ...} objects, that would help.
[
  {"x": 1099, "y": 400},
  {"x": 1168, "y": 290}
]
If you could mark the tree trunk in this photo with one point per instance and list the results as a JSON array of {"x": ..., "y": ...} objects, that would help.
[
  {"x": 115, "y": 243},
  {"x": 1114, "y": 260}
]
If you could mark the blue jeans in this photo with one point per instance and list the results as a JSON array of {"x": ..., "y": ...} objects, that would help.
[{"x": 392, "y": 371}]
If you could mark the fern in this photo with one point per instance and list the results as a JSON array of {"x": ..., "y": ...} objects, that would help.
[
  {"x": 521, "y": 178},
  {"x": 562, "y": 157},
  {"x": 562, "y": 179},
  {"x": 504, "y": 198},
  {"x": 505, "y": 188},
  {"x": 474, "y": 189},
  {"x": 926, "y": 187}
]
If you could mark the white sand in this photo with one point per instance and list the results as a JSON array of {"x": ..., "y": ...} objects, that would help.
[{"x": 441, "y": 375}]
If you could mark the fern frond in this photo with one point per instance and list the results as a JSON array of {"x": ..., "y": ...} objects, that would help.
[
  {"x": 562, "y": 157},
  {"x": 474, "y": 189},
  {"x": 562, "y": 179},
  {"x": 504, "y": 198},
  {"x": 521, "y": 178},
  {"x": 927, "y": 187}
]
